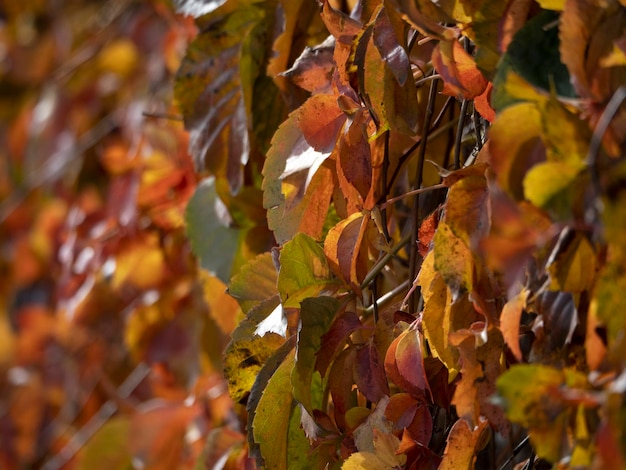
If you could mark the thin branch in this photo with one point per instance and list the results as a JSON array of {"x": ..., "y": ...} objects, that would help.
[
  {"x": 477, "y": 128},
  {"x": 413, "y": 263},
  {"x": 517, "y": 450},
  {"x": 168, "y": 117},
  {"x": 596, "y": 141},
  {"x": 386, "y": 298},
  {"x": 98, "y": 420},
  {"x": 434, "y": 132},
  {"x": 459, "y": 135},
  {"x": 379, "y": 266},
  {"x": 414, "y": 192}
]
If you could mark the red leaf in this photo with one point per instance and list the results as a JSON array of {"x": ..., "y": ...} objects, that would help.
[
  {"x": 341, "y": 328},
  {"x": 370, "y": 373}
]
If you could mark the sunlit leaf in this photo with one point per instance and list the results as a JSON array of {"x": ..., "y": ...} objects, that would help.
[
  {"x": 393, "y": 106},
  {"x": 510, "y": 322},
  {"x": 270, "y": 427},
  {"x": 453, "y": 260},
  {"x": 552, "y": 186},
  {"x": 304, "y": 271},
  {"x": 441, "y": 315},
  {"x": 255, "y": 282},
  {"x": 464, "y": 442},
  {"x": 296, "y": 189},
  {"x": 247, "y": 352},
  {"x": 552, "y": 4},
  {"x": 467, "y": 209},
  {"x": 404, "y": 363},
  {"x": 458, "y": 70},
  {"x": 343, "y": 247}
]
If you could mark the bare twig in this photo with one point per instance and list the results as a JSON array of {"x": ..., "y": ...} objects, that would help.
[{"x": 107, "y": 410}]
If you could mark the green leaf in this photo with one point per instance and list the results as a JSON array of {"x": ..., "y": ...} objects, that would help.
[
  {"x": 108, "y": 448},
  {"x": 304, "y": 271},
  {"x": 454, "y": 260},
  {"x": 272, "y": 417},
  {"x": 255, "y": 282},
  {"x": 316, "y": 316},
  {"x": 553, "y": 186},
  {"x": 530, "y": 394},
  {"x": 213, "y": 241}
]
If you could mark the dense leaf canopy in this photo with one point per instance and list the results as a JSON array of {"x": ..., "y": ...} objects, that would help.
[{"x": 386, "y": 234}]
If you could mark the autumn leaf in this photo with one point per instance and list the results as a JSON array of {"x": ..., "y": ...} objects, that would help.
[
  {"x": 304, "y": 271},
  {"x": 271, "y": 424},
  {"x": 458, "y": 70},
  {"x": 464, "y": 442},
  {"x": 211, "y": 78},
  {"x": 531, "y": 398},
  {"x": 295, "y": 194},
  {"x": 510, "y": 322},
  {"x": 316, "y": 316}
]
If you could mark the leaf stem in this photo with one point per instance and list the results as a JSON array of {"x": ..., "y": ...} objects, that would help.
[
  {"x": 380, "y": 264},
  {"x": 459, "y": 135},
  {"x": 411, "y": 193}
]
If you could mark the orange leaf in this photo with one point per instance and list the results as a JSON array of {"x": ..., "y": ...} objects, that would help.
[
  {"x": 510, "y": 322},
  {"x": 458, "y": 70}
]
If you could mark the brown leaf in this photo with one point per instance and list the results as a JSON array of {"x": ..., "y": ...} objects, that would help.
[
  {"x": 480, "y": 350},
  {"x": 464, "y": 442}
]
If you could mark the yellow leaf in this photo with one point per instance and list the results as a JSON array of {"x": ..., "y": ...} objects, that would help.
[
  {"x": 119, "y": 57},
  {"x": 616, "y": 58},
  {"x": 550, "y": 185},
  {"x": 574, "y": 270},
  {"x": 140, "y": 263},
  {"x": 556, "y": 5},
  {"x": 515, "y": 145}
]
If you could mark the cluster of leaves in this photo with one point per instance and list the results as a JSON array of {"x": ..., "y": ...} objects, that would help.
[
  {"x": 109, "y": 351},
  {"x": 420, "y": 209}
]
